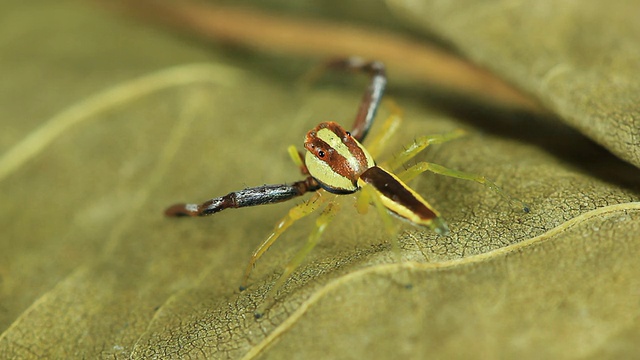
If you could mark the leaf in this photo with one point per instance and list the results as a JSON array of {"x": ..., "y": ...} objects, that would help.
[
  {"x": 501, "y": 304},
  {"x": 90, "y": 268},
  {"x": 581, "y": 60}
]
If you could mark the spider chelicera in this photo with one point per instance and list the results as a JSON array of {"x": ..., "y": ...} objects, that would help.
[{"x": 336, "y": 163}]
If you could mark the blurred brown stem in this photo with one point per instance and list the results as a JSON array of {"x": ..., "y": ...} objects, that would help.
[{"x": 268, "y": 32}]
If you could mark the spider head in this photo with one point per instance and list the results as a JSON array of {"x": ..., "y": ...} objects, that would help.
[{"x": 335, "y": 158}]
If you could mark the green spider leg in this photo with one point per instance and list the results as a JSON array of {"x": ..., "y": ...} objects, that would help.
[
  {"x": 368, "y": 196},
  {"x": 296, "y": 157},
  {"x": 296, "y": 213},
  {"x": 422, "y": 143},
  {"x": 417, "y": 146},
  {"x": 376, "y": 143},
  {"x": 322, "y": 222},
  {"x": 421, "y": 167}
]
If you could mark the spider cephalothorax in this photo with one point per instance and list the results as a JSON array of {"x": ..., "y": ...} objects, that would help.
[{"x": 335, "y": 158}]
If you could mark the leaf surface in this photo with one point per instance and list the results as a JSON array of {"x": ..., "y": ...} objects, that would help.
[{"x": 131, "y": 120}]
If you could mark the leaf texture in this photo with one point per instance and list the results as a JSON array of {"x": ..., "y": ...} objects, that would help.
[{"x": 89, "y": 267}]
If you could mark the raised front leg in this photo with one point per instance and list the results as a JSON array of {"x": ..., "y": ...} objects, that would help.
[
  {"x": 372, "y": 96},
  {"x": 261, "y": 195}
]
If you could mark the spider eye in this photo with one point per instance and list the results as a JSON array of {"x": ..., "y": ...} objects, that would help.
[{"x": 321, "y": 153}]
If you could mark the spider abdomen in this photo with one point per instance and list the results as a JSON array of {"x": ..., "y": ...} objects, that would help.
[{"x": 397, "y": 196}]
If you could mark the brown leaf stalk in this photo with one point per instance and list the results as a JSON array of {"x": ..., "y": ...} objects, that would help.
[{"x": 269, "y": 32}]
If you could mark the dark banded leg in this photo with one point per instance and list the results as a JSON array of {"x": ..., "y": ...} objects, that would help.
[
  {"x": 372, "y": 96},
  {"x": 260, "y": 195}
]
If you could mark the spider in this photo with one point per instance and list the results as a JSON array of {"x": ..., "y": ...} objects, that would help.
[{"x": 336, "y": 163}]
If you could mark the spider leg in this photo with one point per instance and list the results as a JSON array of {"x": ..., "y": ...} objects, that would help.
[
  {"x": 298, "y": 159},
  {"x": 421, "y": 167},
  {"x": 260, "y": 195},
  {"x": 296, "y": 213},
  {"x": 369, "y": 195},
  {"x": 382, "y": 136},
  {"x": 321, "y": 224},
  {"x": 372, "y": 96},
  {"x": 418, "y": 145}
]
